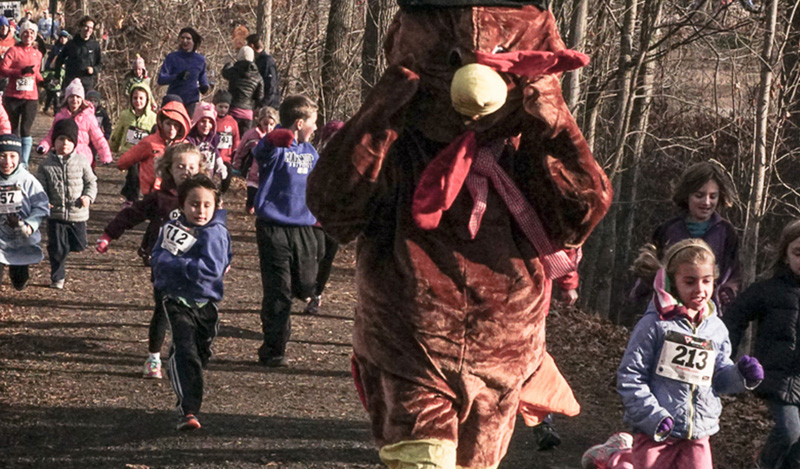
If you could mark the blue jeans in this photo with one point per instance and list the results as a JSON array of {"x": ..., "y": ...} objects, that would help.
[{"x": 782, "y": 449}]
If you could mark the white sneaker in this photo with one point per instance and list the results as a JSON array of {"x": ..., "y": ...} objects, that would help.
[
  {"x": 152, "y": 368},
  {"x": 598, "y": 455},
  {"x": 58, "y": 284}
]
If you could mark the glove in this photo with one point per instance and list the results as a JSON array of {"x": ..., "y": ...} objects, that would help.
[
  {"x": 203, "y": 89},
  {"x": 665, "y": 427},
  {"x": 750, "y": 369},
  {"x": 102, "y": 244},
  {"x": 184, "y": 75},
  {"x": 40, "y": 149},
  {"x": 27, "y": 70}
]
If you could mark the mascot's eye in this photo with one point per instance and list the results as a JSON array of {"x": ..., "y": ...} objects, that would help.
[
  {"x": 454, "y": 59},
  {"x": 499, "y": 50}
]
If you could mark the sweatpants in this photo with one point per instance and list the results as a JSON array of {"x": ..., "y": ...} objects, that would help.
[
  {"x": 331, "y": 247},
  {"x": 18, "y": 274},
  {"x": 251, "y": 197},
  {"x": 63, "y": 237},
  {"x": 131, "y": 188},
  {"x": 158, "y": 325},
  {"x": 193, "y": 333},
  {"x": 288, "y": 256}
]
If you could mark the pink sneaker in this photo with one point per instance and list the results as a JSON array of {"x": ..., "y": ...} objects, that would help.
[{"x": 597, "y": 456}]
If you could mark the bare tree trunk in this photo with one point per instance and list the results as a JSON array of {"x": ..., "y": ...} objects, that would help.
[
  {"x": 607, "y": 256},
  {"x": 334, "y": 58},
  {"x": 373, "y": 63},
  {"x": 755, "y": 206},
  {"x": 264, "y": 23},
  {"x": 577, "y": 35}
]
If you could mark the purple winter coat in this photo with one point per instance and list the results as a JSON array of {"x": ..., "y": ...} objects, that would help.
[{"x": 722, "y": 239}]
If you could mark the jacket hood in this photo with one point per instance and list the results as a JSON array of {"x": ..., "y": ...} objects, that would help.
[
  {"x": 205, "y": 110},
  {"x": 220, "y": 218},
  {"x": 175, "y": 111},
  {"x": 144, "y": 87}
]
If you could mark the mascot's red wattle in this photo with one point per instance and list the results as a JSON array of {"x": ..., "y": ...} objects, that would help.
[{"x": 463, "y": 184}]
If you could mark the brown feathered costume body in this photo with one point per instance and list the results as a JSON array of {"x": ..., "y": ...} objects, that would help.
[{"x": 450, "y": 326}]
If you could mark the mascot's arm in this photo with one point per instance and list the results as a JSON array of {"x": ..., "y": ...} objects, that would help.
[{"x": 347, "y": 175}]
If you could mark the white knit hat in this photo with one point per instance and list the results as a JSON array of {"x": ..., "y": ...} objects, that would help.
[
  {"x": 246, "y": 53},
  {"x": 28, "y": 25}
]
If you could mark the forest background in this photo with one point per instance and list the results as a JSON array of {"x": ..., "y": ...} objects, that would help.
[{"x": 671, "y": 83}]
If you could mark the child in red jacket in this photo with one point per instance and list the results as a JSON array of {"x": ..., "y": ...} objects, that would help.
[{"x": 228, "y": 131}]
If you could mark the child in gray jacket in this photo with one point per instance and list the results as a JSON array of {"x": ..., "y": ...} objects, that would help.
[{"x": 71, "y": 186}]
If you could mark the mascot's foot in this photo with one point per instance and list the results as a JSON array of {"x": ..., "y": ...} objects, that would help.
[{"x": 546, "y": 436}]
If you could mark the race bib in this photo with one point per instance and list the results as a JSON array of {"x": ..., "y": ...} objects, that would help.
[
  {"x": 25, "y": 84},
  {"x": 135, "y": 135},
  {"x": 177, "y": 239},
  {"x": 687, "y": 358},
  {"x": 225, "y": 141},
  {"x": 10, "y": 199}
]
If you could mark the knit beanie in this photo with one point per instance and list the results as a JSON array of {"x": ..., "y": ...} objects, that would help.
[
  {"x": 67, "y": 128},
  {"x": 28, "y": 25},
  {"x": 75, "y": 88},
  {"x": 223, "y": 96},
  {"x": 10, "y": 142},
  {"x": 94, "y": 95},
  {"x": 138, "y": 63},
  {"x": 169, "y": 98},
  {"x": 246, "y": 53}
]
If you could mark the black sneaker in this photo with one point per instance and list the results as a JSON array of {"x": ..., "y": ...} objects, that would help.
[
  {"x": 274, "y": 362},
  {"x": 546, "y": 436},
  {"x": 188, "y": 422},
  {"x": 312, "y": 307}
]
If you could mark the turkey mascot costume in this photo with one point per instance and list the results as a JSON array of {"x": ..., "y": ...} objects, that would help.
[{"x": 467, "y": 184}]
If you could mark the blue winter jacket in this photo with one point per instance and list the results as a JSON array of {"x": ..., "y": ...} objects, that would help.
[
  {"x": 177, "y": 62},
  {"x": 649, "y": 398},
  {"x": 282, "y": 175},
  {"x": 195, "y": 275}
]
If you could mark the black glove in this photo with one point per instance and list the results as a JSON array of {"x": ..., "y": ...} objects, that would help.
[
  {"x": 27, "y": 70},
  {"x": 184, "y": 75},
  {"x": 203, "y": 89}
]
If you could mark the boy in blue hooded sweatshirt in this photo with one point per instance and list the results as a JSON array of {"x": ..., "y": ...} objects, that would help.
[
  {"x": 287, "y": 243},
  {"x": 189, "y": 261}
]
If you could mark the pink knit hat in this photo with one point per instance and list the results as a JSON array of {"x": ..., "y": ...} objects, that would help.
[
  {"x": 75, "y": 88},
  {"x": 204, "y": 109}
]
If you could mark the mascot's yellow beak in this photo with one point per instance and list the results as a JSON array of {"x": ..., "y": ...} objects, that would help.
[{"x": 477, "y": 91}]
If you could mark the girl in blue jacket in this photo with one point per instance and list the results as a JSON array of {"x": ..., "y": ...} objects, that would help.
[
  {"x": 678, "y": 361},
  {"x": 189, "y": 260}
]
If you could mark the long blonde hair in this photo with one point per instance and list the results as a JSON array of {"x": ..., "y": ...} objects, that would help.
[
  {"x": 164, "y": 164},
  {"x": 693, "y": 251}
]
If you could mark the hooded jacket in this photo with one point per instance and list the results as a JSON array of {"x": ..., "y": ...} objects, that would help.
[
  {"x": 195, "y": 275},
  {"x": 174, "y": 65},
  {"x": 88, "y": 132},
  {"x": 775, "y": 304},
  {"x": 153, "y": 146},
  {"x": 244, "y": 83},
  {"x": 269, "y": 73},
  {"x": 228, "y": 131},
  {"x": 649, "y": 398},
  {"x": 130, "y": 128},
  {"x": 76, "y": 57},
  {"x": 16, "y": 248},
  {"x": 208, "y": 145},
  {"x": 65, "y": 180}
]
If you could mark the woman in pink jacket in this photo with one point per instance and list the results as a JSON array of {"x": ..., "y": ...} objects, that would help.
[
  {"x": 82, "y": 112},
  {"x": 21, "y": 65}
]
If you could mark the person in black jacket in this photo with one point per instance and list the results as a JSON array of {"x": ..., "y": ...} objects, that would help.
[
  {"x": 81, "y": 56},
  {"x": 269, "y": 73},
  {"x": 775, "y": 304},
  {"x": 246, "y": 87}
]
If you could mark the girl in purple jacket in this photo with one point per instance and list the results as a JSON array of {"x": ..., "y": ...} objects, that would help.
[{"x": 702, "y": 189}]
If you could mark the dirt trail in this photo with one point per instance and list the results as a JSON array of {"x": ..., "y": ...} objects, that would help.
[{"x": 71, "y": 392}]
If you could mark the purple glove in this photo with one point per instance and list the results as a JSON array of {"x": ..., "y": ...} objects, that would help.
[
  {"x": 665, "y": 427},
  {"x": 750, "y": 368}
]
